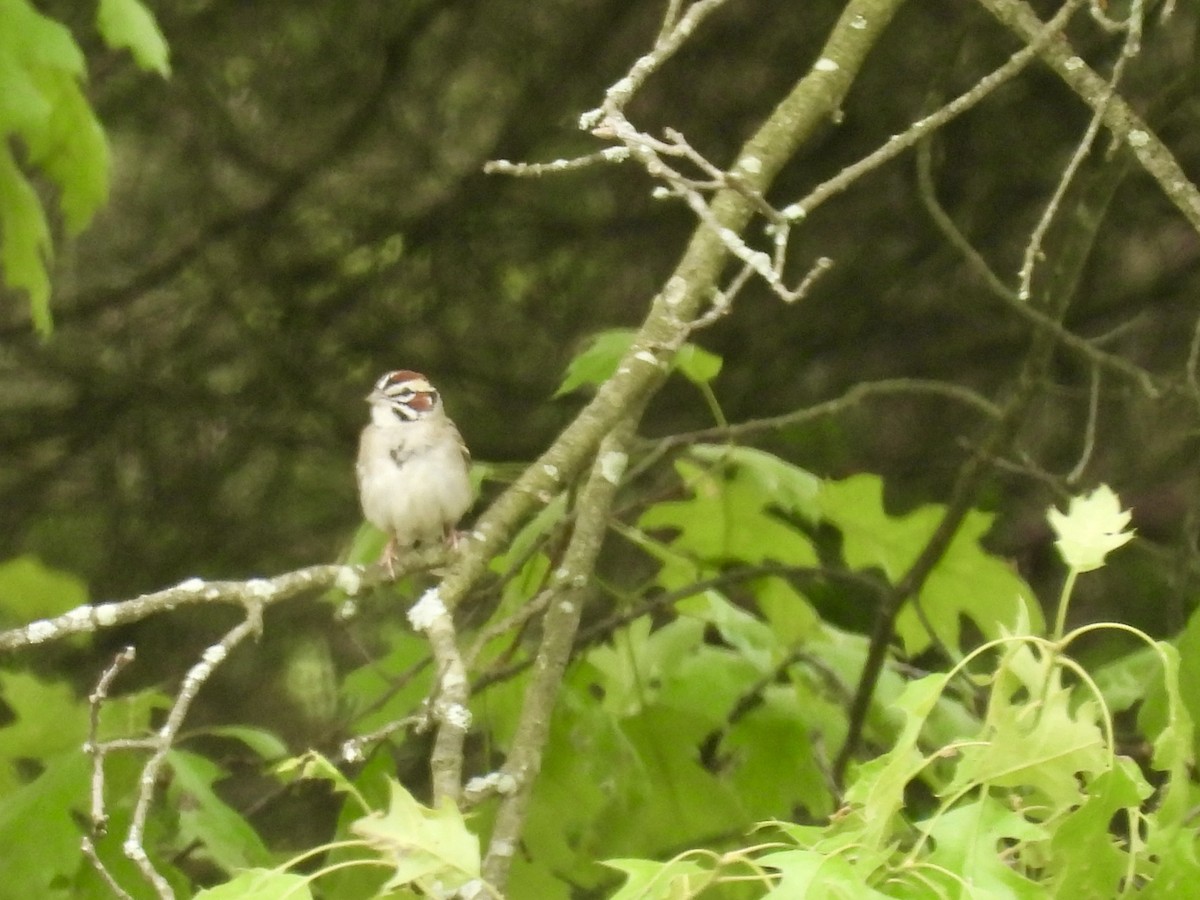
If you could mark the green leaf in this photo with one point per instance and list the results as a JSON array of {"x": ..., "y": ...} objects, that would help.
[
  {"x": 647, "y": 880},
  {"x": 226, "y": 838},
  {"x": 729, "y": 519},
  {"x": 37, "y": 41},
  {"x": 970, "y": 843},
  {"x": 698, "y": 365},
  {"x": 30, "y": 590},
  {"x": 788, "y": 487},
  {"x": 260, "y": 884},
  {"x": 47, "y": 720},
  {"x": 1043, "y": 745},
  {"x": 127, "y": 23},
  {"x": 967, "y": 581},
  {"x": 1088, "y": 859},
  {"x": 312, "y": 765},
  {"x": 39, "y": 841},
  {"x": 773, "y": 762},
  {"x": 22, "y": 106},
  {"x": 810, "y": 873},
  {"x": 599, "y": 360},
  {"x": 71, "y": 150},
  {"x": 24, "y": 240},
  {"x": 876, "y": 795},
  {"x": 267, "y": 745},
  {"x": 424, "y": 846}
]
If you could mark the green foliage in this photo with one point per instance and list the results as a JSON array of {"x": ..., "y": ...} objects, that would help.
[
  {"x": 690, "y": 748},
  {"x": 48, "y": 127},
  {"x": 599, "y": 360},
  {"x": 29, "y": 590}
]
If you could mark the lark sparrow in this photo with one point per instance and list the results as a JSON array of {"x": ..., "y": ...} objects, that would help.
[{"x": 412, "y": 464}]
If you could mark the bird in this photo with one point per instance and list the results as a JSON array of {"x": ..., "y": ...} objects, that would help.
[{"x": 413, "y": 466}]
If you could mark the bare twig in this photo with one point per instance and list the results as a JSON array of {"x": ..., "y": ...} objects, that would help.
[
  {"x": 1033, "y": 249},
  {"x": 935, "y": 120},
  {"x": 556, "y": 166},
  {"x": 89, "y": 850},
  {"x": 1089, "y": 434},
  {"x": 690, "y": 288},
  {"x": 93, "y": 747},
  {"x": 264, "y": 591},
  {"x": 1119, "y": 117},
  {"x": 353, "y": 749},
  {"x": 164, "y": 740},
  {"x": 1030, "y": 313}
]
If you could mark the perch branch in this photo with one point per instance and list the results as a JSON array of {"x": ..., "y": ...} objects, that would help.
[{"x": 266, "y": 591}]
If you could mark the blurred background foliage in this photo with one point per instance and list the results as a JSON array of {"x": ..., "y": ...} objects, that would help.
[{"x": 301, "y": 206}]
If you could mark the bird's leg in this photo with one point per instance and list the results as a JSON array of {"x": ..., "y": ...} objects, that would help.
[{"x": 389, "y": 557}]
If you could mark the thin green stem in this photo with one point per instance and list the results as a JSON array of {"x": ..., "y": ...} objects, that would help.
[{"x": 1064, "y": 601}]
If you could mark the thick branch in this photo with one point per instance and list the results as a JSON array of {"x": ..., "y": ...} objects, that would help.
[
  {"x": 569, "y": 587},
  {"x": 815, "y": 98}
]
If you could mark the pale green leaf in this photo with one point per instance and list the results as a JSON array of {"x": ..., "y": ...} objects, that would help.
[
  {"x": 697, "y": 365},
  {"x": 876, "y": 794},
  {"x": 37, "y": 40},
  {"x": 1093, "y": 526},
  {"x": 127, "y": 23},
  {"x": 22, "y": 106},
  {"x": 648, "y": 880},
  {"x": 260, "y": 884},
  {"x": 422, "y": 845},
  {"x": 1087, "y": 858},
  {"x": 970, "y": 842},
  {"x": 71, "y": 150},
  {"x": 30, "y": 590},
  {"x": 1044, "y": 748}
]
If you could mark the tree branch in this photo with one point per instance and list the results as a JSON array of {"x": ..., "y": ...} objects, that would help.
[
  {"x": 264, "y": 591},
  {"x": 1118, "y": 116},
  {"x": 569, "y": 588}
]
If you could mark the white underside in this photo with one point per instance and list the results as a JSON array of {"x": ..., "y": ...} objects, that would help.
[{"x": 423, "y": 497}]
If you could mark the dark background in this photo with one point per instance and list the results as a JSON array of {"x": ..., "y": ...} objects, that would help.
[{"x": 302, "y": 206}]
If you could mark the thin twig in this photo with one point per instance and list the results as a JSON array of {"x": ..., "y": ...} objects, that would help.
[
  {"x": 1119, "y": 117},
  {"x": 1033, "y": 248},
  {"x": 918, "y": 130},
  {"x": 93, "y": 747},
  {"x": 164, "y": 740},
  {"x": 1089, "y": 432},
  {"x": 89, "y": 850},
  {"x": 1029, "y": 312}
]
